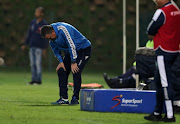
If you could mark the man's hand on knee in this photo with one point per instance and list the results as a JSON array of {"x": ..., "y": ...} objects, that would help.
[
  {"x": 61, "y": 65},
  {"x": 74, "y": 68}
]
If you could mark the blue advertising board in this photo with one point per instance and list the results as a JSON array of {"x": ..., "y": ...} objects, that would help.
[{"x": 118, "y": 100}]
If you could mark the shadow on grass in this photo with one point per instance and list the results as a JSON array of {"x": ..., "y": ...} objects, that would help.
[
  {"x": 109, "y": 112},
  {"x": 154, "y": 122},
  {"x": 25, "y": 101},
  {"x": 48, "y": 105}
]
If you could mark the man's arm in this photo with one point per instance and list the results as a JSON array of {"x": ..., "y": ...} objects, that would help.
[
  {"x": 27, "y": 37},
  {"x": 57, "y": 54},
  {"x": 69, "y": 40},
  {"x": 56, "y": 51},
  {"x": 150, "y": 37},
  {"x": 28, "y": 34},
  {"x": 157, "y": 21},
  {"x": 72, "y": 48}
]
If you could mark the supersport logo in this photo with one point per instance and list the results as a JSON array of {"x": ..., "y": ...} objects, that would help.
[{"x": 116, "y": 98}]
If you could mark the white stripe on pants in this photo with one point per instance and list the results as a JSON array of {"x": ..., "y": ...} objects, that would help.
[{"x": 164, "y": 83}]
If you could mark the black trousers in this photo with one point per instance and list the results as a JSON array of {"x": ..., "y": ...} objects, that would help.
[
  {"x": 124, "y": 81},
  {"x": 82, "y": 59},
  {"x": 164, "y": 80},
  {"x": 176, "y": 84}
]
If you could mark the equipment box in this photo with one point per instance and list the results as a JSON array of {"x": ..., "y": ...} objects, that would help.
[{"x": 118, "y": 100}]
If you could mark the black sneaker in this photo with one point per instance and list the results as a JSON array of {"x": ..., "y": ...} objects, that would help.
[
  {"x": 165, "y": 119},
  {"x": 37, "y": 83},
  {"x": 61, "y": 101},
  {"x": 74, "y": 101},
  {"x": 108, "y": 80},
  {"x": 31, "y": 83},
  {"x": 153, "y": 117}
]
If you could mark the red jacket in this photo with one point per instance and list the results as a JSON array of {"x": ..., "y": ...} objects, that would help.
[{"x": 168, "y": 35}]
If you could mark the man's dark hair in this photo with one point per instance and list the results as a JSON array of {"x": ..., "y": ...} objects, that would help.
[
  {"x": 41, "y": 9},
  {"x": 46, "y": 29}
]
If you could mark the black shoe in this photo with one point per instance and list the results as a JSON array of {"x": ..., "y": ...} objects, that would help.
[
  {"x": 61, "y": 101},
  {"x": 153, "y": 117},
  {"x": 165, "y": 119},
  {"x": 31, "y": 83},
  {"x": 74, "y": 101},
  {"x": 108, "y": 80},
  {"x": 37, "y": 83}
]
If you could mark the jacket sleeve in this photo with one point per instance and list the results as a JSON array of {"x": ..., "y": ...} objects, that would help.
[
  {"x": 68, "y": 35},
  {"x": 28, "y": 34},
  {"x": 56, "y": 51},
  {"x": 157, "y": 21}
]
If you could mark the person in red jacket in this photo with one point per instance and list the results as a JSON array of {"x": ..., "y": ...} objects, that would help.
[{"x": 164, "y": 29}]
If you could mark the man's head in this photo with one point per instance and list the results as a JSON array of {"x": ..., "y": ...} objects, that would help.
[
  {"x": 39, "y": 12},
  {"x": 48, "y": 32},
  {"x": 160, "y": 3}
]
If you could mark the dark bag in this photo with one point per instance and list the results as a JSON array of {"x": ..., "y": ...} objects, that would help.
[
  {"x": 145, "y": 62},
  {"x": 145, "y": 65}
]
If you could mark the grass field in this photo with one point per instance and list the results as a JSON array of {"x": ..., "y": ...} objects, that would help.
[{"x": 23, "y": 104}]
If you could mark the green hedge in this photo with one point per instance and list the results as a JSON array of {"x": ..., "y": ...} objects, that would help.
[{"x": 99, "y": 20}]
